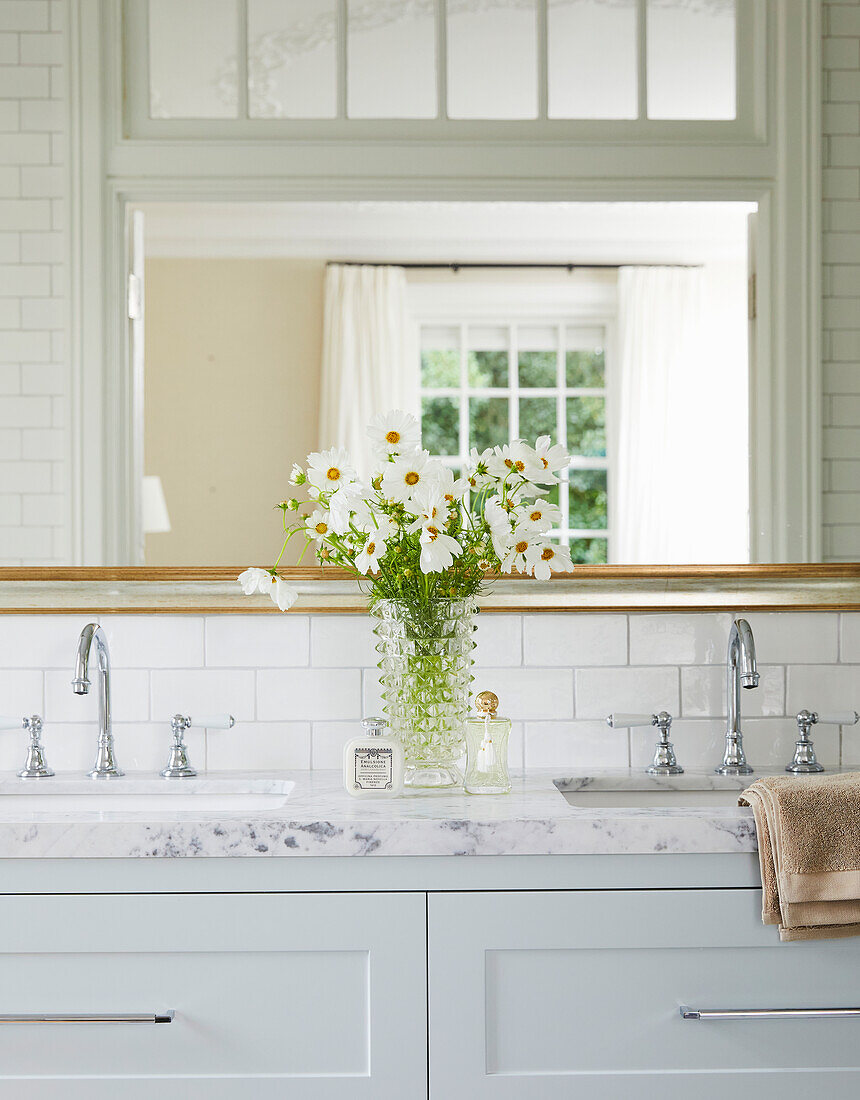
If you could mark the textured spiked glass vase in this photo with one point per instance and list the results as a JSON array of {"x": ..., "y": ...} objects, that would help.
[{"x": 426, "y": 674}]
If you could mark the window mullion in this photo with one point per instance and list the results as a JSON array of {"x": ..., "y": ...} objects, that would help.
[
  {"x": 464, "y": 396},
  {"x": 342, "y": 17},
  {"x": 542, "y": 63},
  {"x": 442, "y": 58},
  {"x": 242, "y": 60},
  {"x": 642, "y": 58},
  {"x": 561, "y": 422},
  {"x": 513, "y": 384}
]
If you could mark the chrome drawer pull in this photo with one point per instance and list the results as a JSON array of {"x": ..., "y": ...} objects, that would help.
[
  {"x": 767, "y": 1013},
  {"x": 90, "y": 1018}
]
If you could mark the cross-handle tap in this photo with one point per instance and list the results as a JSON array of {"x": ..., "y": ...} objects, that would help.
[
  {"x": 105, "y": 766},
  {"x": 741, "y": 672}
]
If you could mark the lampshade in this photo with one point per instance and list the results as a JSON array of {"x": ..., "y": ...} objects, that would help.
[{"x": 154, "y": 506}]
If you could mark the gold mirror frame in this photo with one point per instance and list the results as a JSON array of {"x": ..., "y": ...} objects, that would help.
[{"x": 204, "y": 591}]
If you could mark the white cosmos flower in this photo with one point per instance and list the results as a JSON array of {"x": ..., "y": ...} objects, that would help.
[
  {"x": 499, "y": 522},
  {"x": 518, "y": 459},
  {"x": 452, "y": 489},
  {"x": 270, "y": 584},
  {"x": 367, "y": 560},
  {"x": 330, "y": 470},
  {"x": 297, "y": 475},
  {"x": 394, "y": 433},
  {"x": 408, "y": 476},
  {"x": 478, "y": 470},
  {"x": 318, "y": 525},
  {"x": 437, "y": 549},
  {"x": 340, "y": 508},
  {"x": 544, "y": 558},
  {"x": 430, "y": 508},
  {"x": 515, "y": 558},
  {"x": 551, "y": 457},
  {"x": 538, "y": 515}
]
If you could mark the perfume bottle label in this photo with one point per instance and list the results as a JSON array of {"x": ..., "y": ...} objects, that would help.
[{"x": 374, "y": 769}]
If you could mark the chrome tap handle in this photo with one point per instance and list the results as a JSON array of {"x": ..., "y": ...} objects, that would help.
[
  {"x": 665, "y": 762},
  {"x": 35, "y": 766},
  {"x": 178, "y": 766},
  {"x": 804, "y": 761}
]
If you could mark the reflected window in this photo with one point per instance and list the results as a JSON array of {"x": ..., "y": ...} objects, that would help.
[{"x": 488, "y": 384}]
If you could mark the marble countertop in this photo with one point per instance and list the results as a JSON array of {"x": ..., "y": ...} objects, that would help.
[{"x": 320, "y": 819}]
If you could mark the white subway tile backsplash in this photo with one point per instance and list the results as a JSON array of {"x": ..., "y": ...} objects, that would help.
[
  {"x": 574, "y": 746},
  {"x": 571, "y": 640},
  {"x": 703, "y": 692},
  {"x": 24, "y": 15},
  {"x": 678, "y": 639},
  {"x": 823, "y": 688},
  {"x": 204, "y": 691},
  {"x": 308, "y": 694},
  {"x": 152, "y": 641},
  {"x": 327, "y": 741},
  {"x": 343, "y": 641},
  {"x": 602, "y": 691},
  {"x": 20, "y": 693},
  {"x": 271, "y": 745},
  {"x": 129, "y": 696},
  {"x": 529, "y": 694},
  {"x": 257, "y": 641},
  {"x": 769, "y": 742},
  {"x": 850, "y": 645},
  {"x": 145, "y": 746},
  {"x": 802, "y": 637},
  {"x": 40, "y": 641},
  {"x": 499, "y": 640},
  {"x": 699, "y": 743}
]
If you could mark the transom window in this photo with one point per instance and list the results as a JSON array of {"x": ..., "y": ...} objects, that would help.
[
  {"x": 484, "y": 384},
  {"x": 442, "y": 60}
]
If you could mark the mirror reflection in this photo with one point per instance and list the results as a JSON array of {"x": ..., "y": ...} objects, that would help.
[{"x": 264, "y": 331}]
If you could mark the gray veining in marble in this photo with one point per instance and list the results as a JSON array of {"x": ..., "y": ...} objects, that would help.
[{"x": 319, "y": 819}]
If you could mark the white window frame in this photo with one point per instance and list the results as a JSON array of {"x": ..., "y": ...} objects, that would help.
[
  {"x": 751, "y": 93},
  {"x": 777, "y": 167},
  {"x": 581, "y": 305}
]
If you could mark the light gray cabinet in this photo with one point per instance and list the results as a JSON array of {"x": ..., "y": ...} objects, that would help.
[
  {"x": 576, "y": 994},
  {"x": 311, "y": 996}
]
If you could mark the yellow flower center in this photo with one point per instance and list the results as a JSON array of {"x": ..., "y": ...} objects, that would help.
[
  {"x": 433, "y": 532},
  {"x": 321, "y": 528},
  {"x": 333, "y": 473},
  {"x": 412, "y": 478},
  {"x": 535, "y": 515},
  {"x": 449, "y": 497},
  {"x": 548, "y": 554},
  {"x": 371, "y": 548},
  {"x": 393, "y": 437},
  {"x": 520, "y": 465},
  {"x": 509, "y": 462},
  {"x": 521, "y": 547},
  {"x": 545, "y": 463}
]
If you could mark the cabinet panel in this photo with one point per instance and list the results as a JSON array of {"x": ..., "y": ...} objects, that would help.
[
  {"x": 311, "y": 996},
  {"x": 577, "y": 993}
]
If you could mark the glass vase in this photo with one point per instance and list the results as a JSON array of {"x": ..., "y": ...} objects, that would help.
[{"x": 426, "y": 675}]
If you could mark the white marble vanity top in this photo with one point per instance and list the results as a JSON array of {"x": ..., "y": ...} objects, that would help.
[{"x": 319, "y": 819}]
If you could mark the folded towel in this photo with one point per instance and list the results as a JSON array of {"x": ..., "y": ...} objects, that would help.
[{"x": 809, "y": 853}]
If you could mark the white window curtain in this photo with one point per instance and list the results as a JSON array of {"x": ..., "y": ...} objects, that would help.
[
  {"x": 675, "y": 447},
  {"x": 369, "y": 363}
]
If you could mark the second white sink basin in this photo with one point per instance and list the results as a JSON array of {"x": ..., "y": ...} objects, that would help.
[
  {"x": 650, "y": 799},
  {"x": 637, "y": 790},
  {"x": 142, "y": 794}
]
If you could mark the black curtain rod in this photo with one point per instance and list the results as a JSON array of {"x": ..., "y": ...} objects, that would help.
[{"x": 462, "y": 266}]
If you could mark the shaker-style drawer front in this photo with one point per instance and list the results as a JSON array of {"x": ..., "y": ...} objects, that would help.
[
  {"x": 567, "y": 993},
  {"x": 310, "y": 996}
]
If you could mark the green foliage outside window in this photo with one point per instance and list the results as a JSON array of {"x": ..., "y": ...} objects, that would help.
[
  {"x": 586, "y": 426},
  {"x": 537, "y": 368},
  {"x": 588, "y": 551},
  {"x": 588, "y": 508},
  {"x": 585, "y": 369},
  {"x": 440, "y": 425},
  {"x": 440, "y": 369},
  {"x": 487, "y": 369},
  {"x": 488, "y": 421}
]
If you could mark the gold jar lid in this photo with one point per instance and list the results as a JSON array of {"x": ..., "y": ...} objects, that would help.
[{"x": 487, "y": 702}]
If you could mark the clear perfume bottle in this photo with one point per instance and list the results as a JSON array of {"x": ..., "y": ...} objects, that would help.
[{"x": 487, "y": 748}]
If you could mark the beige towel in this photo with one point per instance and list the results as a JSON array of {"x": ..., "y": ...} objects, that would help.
[{"x": 809, "y": 853}]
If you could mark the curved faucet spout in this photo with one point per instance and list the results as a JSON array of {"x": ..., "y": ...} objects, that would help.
[
  {"x": 741, "y": 671},
  {"x": 105, "y": 766}
]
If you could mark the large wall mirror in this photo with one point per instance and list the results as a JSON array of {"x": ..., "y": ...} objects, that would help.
[{"x": 264, "y": 331}]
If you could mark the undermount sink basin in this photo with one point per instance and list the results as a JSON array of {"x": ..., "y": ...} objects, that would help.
[
  {"x": 131, "y": 794},
  {"x": 653, "y": 792}
]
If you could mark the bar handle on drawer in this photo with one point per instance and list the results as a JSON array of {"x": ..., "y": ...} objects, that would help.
[
  {"x": 90, "y": 1018},
  {"x": 767, "y": 1013}
]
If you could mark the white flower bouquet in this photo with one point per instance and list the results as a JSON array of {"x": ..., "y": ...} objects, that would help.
[
  {"x": 423, "y": 542},
  {"x": 416, "y": 533}
]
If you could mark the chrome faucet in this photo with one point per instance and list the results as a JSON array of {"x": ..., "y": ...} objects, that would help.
[
  {"x": 92, "y": 634},
  {"x": 740, "y": 672}
]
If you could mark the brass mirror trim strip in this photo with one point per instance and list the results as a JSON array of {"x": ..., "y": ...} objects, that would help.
[{"x": 807, "y": 587}]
